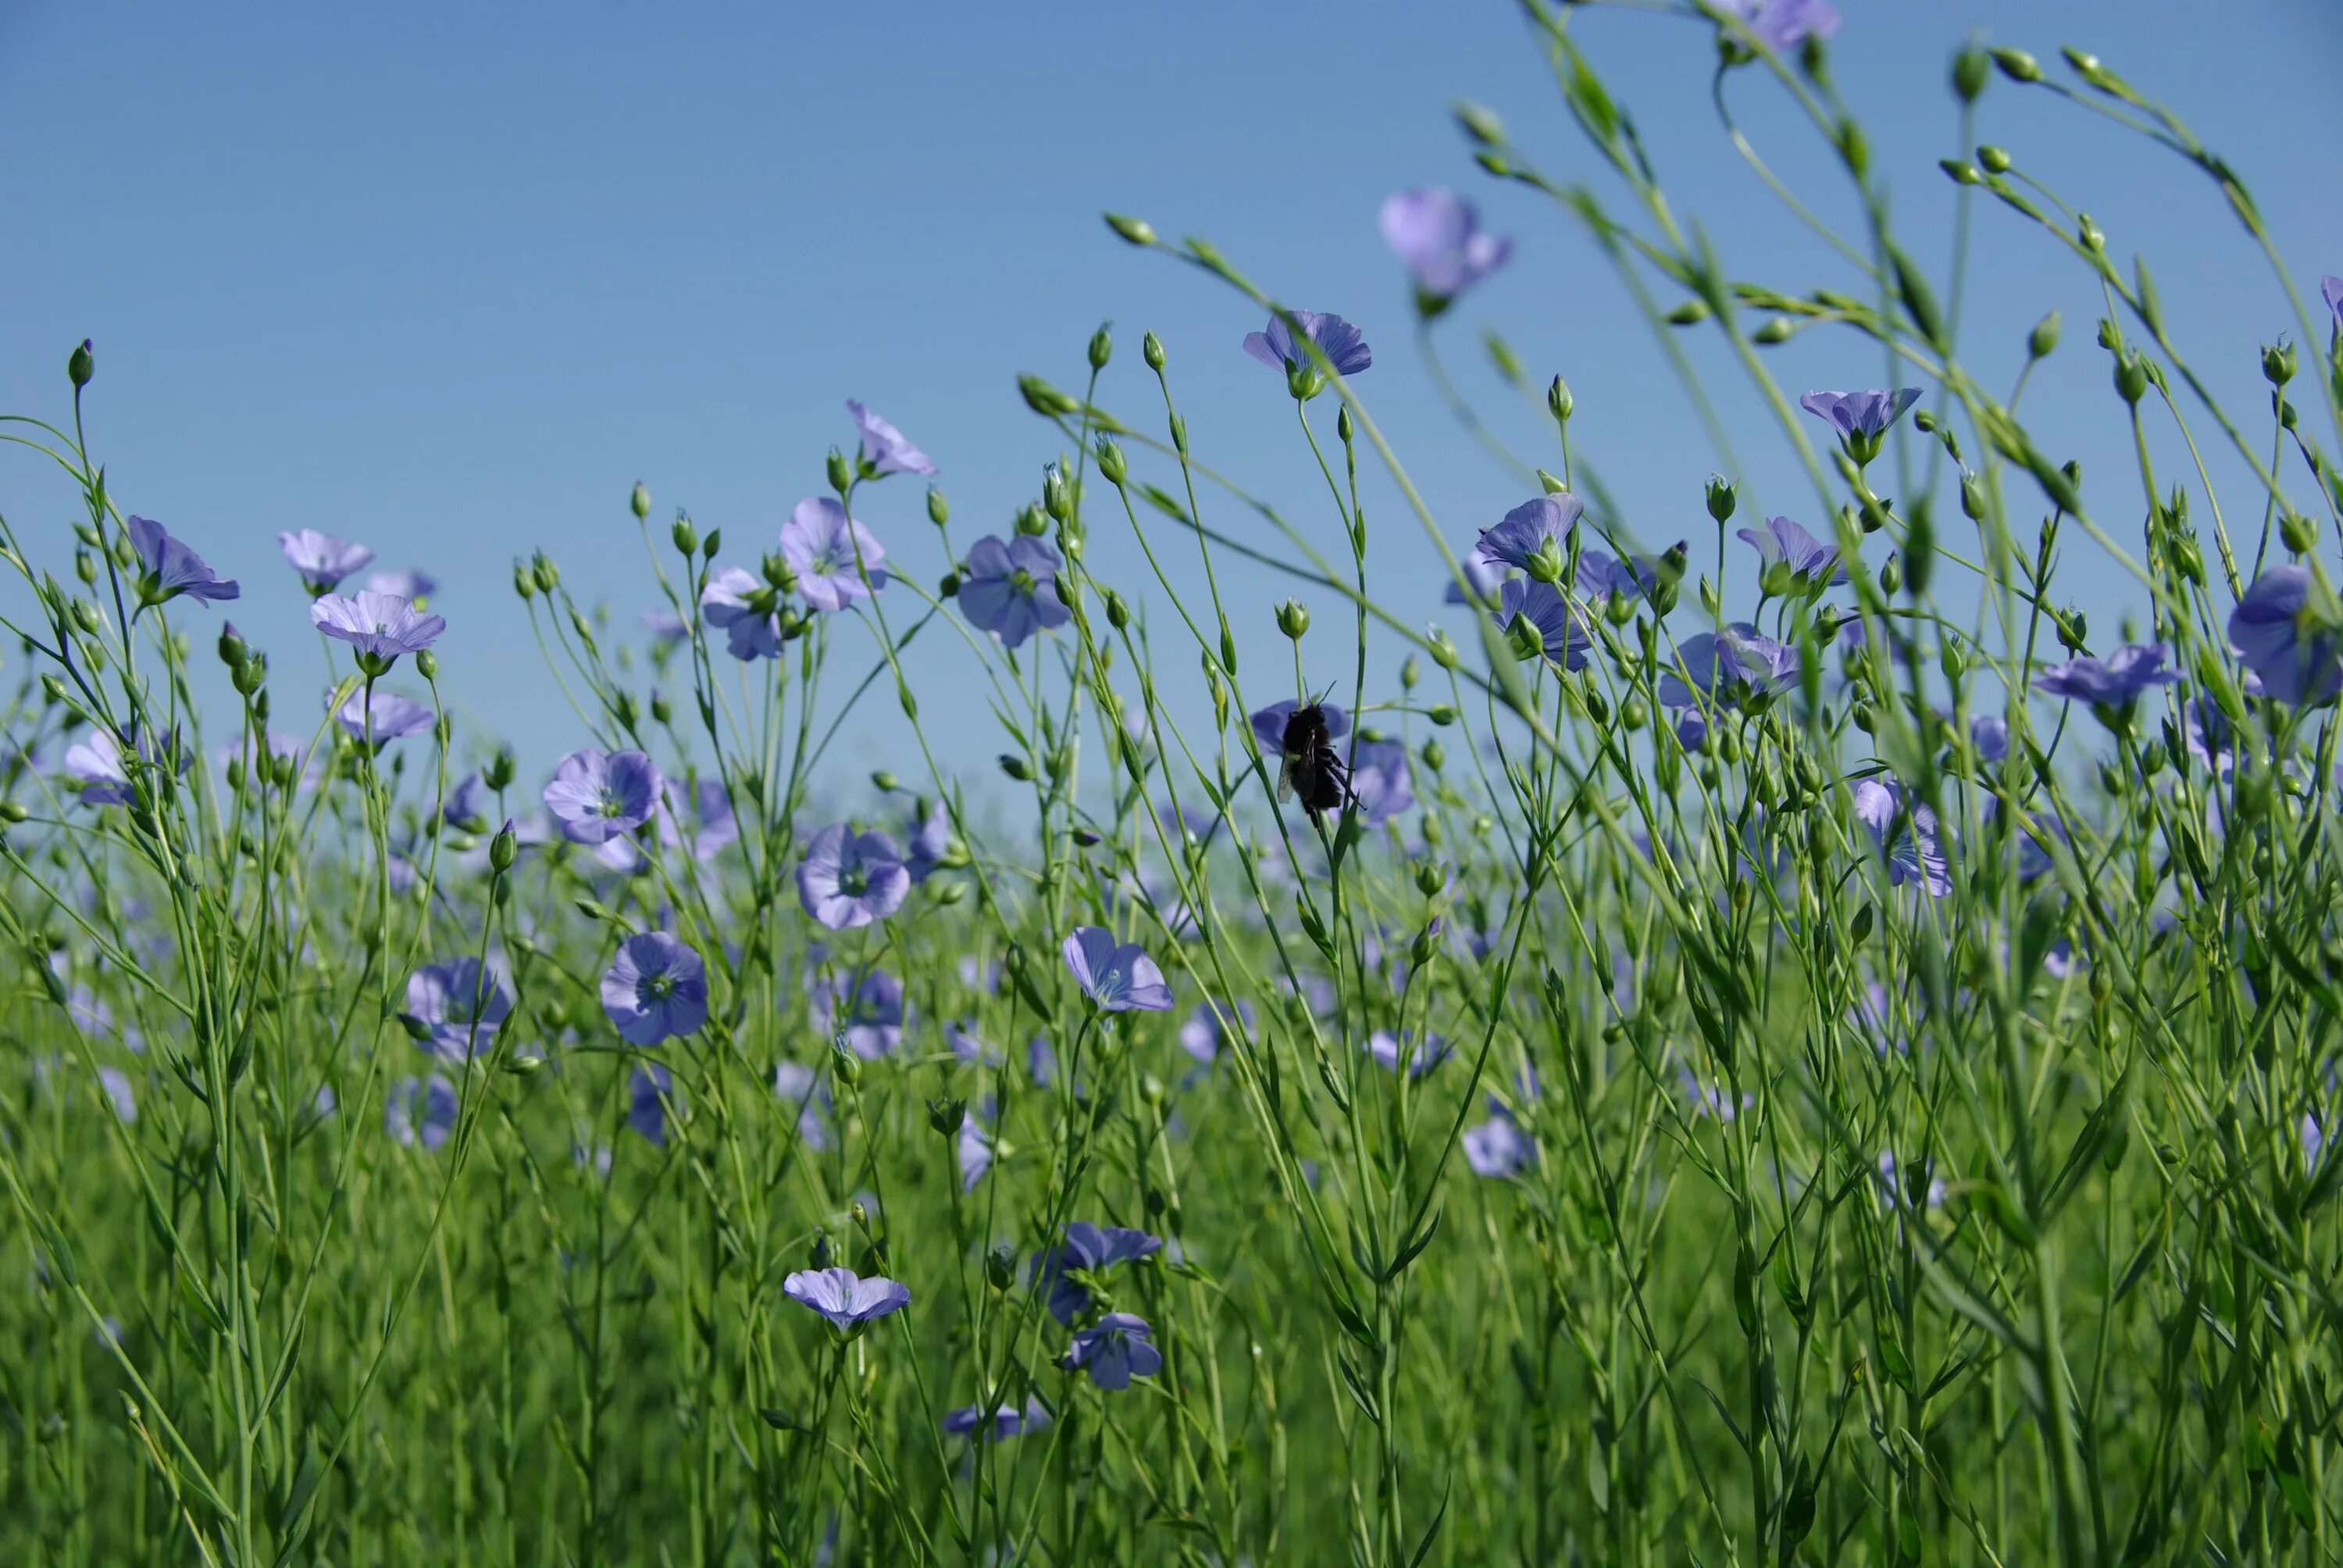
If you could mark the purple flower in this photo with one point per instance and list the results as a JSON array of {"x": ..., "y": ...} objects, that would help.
[
  {"x": 1726, "y": 665},
  {"x": 929, "y": 839},
  {"x": 884, "y": 450},
  {"x": 844, "y": 1297},
  {"x": 1423, "y": 1052},
  {"x": 1521, "y": 533},
  {"x": 459, "y": 1005},
  {"x": 849, "y": 878},
  {"x": 420, "y": 1110},
  {"x": 650, "y": 1094},
  {"x": 322, "y": 559},
  {"x": 795, "y": 1083},
  {"x": 1008, "y": 1421},
  {"x": 1908, "y": 837},
  {"x": 1087, "y": 1250},
  {"x": 2330, "y": 289},
  {"x": 117, "y": 1085},
  {"x": 2113, "y": 681},
  {"x": 1784, "y": 24},
  {"x": 597, "y": 797},
  {"x": 1561, "y": 630},
  {"x": 1269, "y": 724},
  {"x": 1379, "y": 783},
  {"x": 467, "y": 804},
  {"x": 666, "y": 626},
  {"x": 1342, "y": 345},
  {"x": 740, "y": 607},
  {"x": 874, "y": 1020},
  {"x": 1600, "y": 577},
  {"x": 171, "y": 569},
  {"x": 698, "y": 817},
  {"x": 380, "y": 626},
  {"x": 975, "y": 1153},
  {"x": 404, "y": 584},
  {"x": 655, "y": 989},
  {"x": 1861, "y": 418},
  {"x": 1203, "y": 1036},
  {"x": 1811, "y": 563},
  {"x": 2294, "y": 659},
  {"x": 1989, "y": 737},
  {"x": 1436, "y": 235},
  {"x": 821, "y": 544},
  {"x": 1118, "y": 977},
  {"x": 2209, "y": 735},
  {"x": 1483, "y": 578},
  {"x": 1011, "y": 589},
  {"x": 383, "y": 717},
  {"x": 1115, "y": 1350},
  {"x": 1497, "y": 1147},
  {"x": 95, "y": 764}
]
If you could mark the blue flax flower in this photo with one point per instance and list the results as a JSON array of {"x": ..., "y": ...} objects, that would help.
[
  {"x": 459, "y": 1005},
  {"x": 2294, "y": 658},
  {"x": 884, "y": 449},
  {"x": 873, "y": 1018},
  {"x": 1908, "y": 836},
  {"x": 380, "y": 626},
  {"x": 1343, "y": 346},
  {"x": 2112, "y": 682},
  {"x": 844, "y": 1297},
  {"x": 1561, "y": 630},
  {"x": 1011, "y": 588},
  {"x": 1007, "y": 1421},
  {"x": 830, "y": 553},
  {"x": 1523, "y": 532},
  {"x": 849, "y": 878},
  {"x": 740, "y": 607},
  {"x": 322, "y": 559},
  {"x": 597, "y": 797},
  {"x": 1784, "y": 24},
  {"x": 1090, "y": 1250},
  {"x": 1114, "y": 1350},
  {"x": 655, "y": 989},
  {"x": 1811, "y": 564},
  {"x": 1118, "y": 977},
  {"x": 1436, "y": 235},
  {"x": 652, "y": 1093},
  {"x": 169, "y": 569}
]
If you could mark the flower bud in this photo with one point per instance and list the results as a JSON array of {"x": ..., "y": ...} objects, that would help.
[
  {"x": 1044, "y": 398},
  {"x": 2278, "y": 364},
  {"x": 1970, "y": 66},
  {"x": 662, "y": 711},
  {"x": 1444, "y": 714},
  {"x": 2131, "y": 378},
  {"x": 2044, "y": 337},
  {"x": 231, "y": 645},
  {"x": 524, "y": 584},
  {"x": 548, "y": 574},
  {"x": 1775, "y": 329},
  {"x": 709, "y": 546},
  {"x": 844, "y": 1065},
  {"x": 835, "y": 468},
  {"x": 1000, "y": 1266},
  {"x": 2094, "y": 239},
  {"x": 1691, "y": 313},
  {"x": 81, "y": 364},
  {"x": 939, "y": 510},
  {"x": 685, "y": 538},
  {"x": 1891, "y": 574},
  {"x": 1118, "y": 613},
  {"x": 1995, "y": 160},
  {"x": 640, "y": 501},
  {"x": 1102, "y": 347},
  {"x": 2298, "y": 532},
  {"x": 1138, "y": 231},
  {"x": 1410, "y": 673},
  {"x": 503, "y": 848},
  {"x": 1545, "y": 564},
  {"x": 1558, "y": 401},
  {"x": 499, "y": 774},
  {"x": 427, "y": 664},
  {"x": 1150, "y": 349},
  {"x": 1523, "y": 636},
  {"x": 1111, "y": 462},
  {"x": 1015, "y": 767},
  {"x": 249, "y": 675},
  {"x": 1720, "y": 498},
  {"x": 946, "y": 1116},
  {"x": 1057, "y": 498},
  {"x": 1444, "y": 655},
  {"x": 2017, "y": 65},
  {"x": 1292, "y": 619}
]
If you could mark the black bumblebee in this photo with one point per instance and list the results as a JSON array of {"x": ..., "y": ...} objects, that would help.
[{"x": 1309, "y": 764}]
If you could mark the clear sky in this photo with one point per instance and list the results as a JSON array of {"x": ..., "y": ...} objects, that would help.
[{"x": 447, "y": 279}]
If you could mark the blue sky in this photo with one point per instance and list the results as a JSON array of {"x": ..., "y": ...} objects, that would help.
[{"x": 449, "y": 279}]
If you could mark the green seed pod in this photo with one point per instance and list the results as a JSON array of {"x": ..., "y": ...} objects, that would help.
[
  {"x": 1102, "y": 347},
  {"x": 683, "y": 536},
  {"x": 2043, "y": 338},
  {"x": 1151, "y": 349}
]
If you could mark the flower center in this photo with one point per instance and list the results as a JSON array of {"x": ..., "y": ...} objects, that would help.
[
  {"x": 853, "y": 881},
  {"x": 656, "y": 988},
  {"x": 1021, "y": 580},
  {"x": 610, "y": 805}
]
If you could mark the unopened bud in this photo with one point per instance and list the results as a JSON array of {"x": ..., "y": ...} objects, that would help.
[
  {"x": 938, "y": 509},
  {"x": 1150, "y": 349},
  {"x": 81, "y": 364},
  {"x": 2278, "y": 364},
  {"x": 640, "y": 501},
  {"x": 503, "y": 848},
  {"x": 1970, "y": 68},
  {"x": 1102, "y": 347},
  {"x": 1720, "y": 498},
  {"x": 1558, "y": 400},
  {"x": 1138, "y": 231},
  {"x": 1293, "y": 619},
  {"x": 838, "y": 471},
  {"x": 2044, "y": 337},
  {"x": 685, "y": 537}
]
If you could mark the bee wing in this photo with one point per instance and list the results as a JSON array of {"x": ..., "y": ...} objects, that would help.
[{"x": 1286, "y": 780}]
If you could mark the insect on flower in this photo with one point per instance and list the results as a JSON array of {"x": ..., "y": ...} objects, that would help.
[{"x": 1310, "y": 768}]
